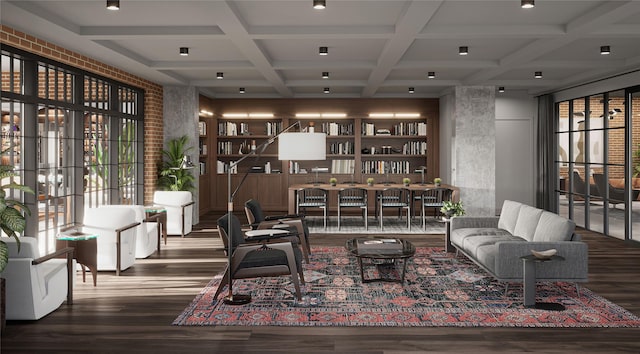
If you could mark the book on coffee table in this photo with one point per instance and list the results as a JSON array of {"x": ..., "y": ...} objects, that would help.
[{"x": 389, "y": 245}]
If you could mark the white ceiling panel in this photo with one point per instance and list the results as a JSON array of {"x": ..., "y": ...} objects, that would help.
[{"x": 377, "y": 48}]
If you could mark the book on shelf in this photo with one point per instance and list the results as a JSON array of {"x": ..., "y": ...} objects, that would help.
[
  {"x": 343, "y": 166},
  {"x": 202, "y": 128}
]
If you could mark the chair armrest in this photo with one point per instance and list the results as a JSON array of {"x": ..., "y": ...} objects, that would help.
[
  {"x": 53, "y": 255},
  {"x": 288, "y": 216},
  {"x": 464, "y": 222},
  {"x": 242, "y": 250},
  {"x": 69, "y": 252},
  {"x": 187, "y": 204},
  {"x": 575, "y": 253},
  {"x": 125, "y": 228},
  {"x": 119, "y": 244}
]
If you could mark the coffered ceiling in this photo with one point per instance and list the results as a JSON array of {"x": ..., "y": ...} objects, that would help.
[{"x": 377, "y": 48}]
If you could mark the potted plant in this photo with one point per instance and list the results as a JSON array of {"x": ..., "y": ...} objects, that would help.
[
  {"x": 172, "y": 176},
  {"x": 437, "y": 181},
  {"x": 333, "y": 181},
  {"x": 406, "y": 181},
  {"x": 370, "y": 181},
  {"x": 12, "y": 219},
  {"x": 450, "y": 209}
]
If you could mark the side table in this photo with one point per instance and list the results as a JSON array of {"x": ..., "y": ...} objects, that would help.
[
  {"x": 529, "y": 286},
  {"x": 159, "y": 212},
  {"x": 85, "y": 250},
  {"x": 448, "y": 247}
]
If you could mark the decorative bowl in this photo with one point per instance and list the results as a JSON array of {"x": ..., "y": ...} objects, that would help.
[{"x": 544, "y": 254}]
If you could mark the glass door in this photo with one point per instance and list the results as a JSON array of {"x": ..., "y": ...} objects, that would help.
[{"x": 634, "y": 112}]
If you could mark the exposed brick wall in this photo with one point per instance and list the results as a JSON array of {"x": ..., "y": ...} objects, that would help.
[
  {"x": 616, "y": 136},
  {"x": 153, "y": 119}
]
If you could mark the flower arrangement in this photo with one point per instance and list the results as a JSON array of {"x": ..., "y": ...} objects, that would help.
[
  {"x": 437, "y": 181},
  {"x": 406, "y": 181},
  {"x": 450, "y": 208},
  {"x": 370, "y": 181},
  {"x": 333, "y": 181}
]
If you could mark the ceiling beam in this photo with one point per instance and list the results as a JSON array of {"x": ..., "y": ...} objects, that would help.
[
  {"x": 415, "y": 17},
  {"x": 590, "y": 22},
  {"x": 234, "y": 26}
]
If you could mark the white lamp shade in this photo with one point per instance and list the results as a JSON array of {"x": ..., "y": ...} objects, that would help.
[{"x": 302, "y": 146}]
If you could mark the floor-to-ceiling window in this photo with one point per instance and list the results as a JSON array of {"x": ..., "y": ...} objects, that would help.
[
  {"x": 597, "y": 141},
  {"x": 74, "y": 137}
]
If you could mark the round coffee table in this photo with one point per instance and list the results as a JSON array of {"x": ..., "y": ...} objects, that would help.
[{"x": 381, "y": 250}]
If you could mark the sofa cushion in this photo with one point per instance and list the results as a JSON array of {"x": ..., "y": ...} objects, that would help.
[
  {"x": 473, "y": 243},
  {"x": 528, "y": 218},
  {"x": 461, "y": 237},
  {"x": 553, "y": 227},
  {"x": 509, "y": 215}
]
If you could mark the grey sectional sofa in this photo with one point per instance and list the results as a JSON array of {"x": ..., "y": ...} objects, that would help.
[{"x": 497, "y": 243}]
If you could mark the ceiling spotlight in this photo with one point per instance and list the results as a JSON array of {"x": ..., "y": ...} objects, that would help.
[
  {"x": 220, "y": 76},
  {"x": 501, "y": 89},
  {"x": 184, "y": 51},
  {"x": 241, "y": 90},
  {"x": 323, "y": 51},
  {"x": 326, "y": 90},
  {"x": 412, "y": 90},
  {"x": 319, "y": 4},
  {"x": 325, "y": 74},
  {"x": 538, "y": 75},
  {"x": 605, "y": 50},
  {"x": 463, "y": 50},
  {"x": 528, "y": 4},
  {"x": 113, "y": 5},
  {"x": 431, "y": 74}
]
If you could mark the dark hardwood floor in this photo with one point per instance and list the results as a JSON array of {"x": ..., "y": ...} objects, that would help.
[{"x": 133, "y": 312}]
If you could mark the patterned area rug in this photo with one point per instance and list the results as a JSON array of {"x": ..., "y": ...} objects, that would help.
[
  {"x": 392, "y": 225},
  {"x": 439, "y": 290}
]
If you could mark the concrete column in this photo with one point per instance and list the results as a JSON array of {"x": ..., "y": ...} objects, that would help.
[
  {"x": 469, "y": 134},
  {"x": 180, "y": 111}
]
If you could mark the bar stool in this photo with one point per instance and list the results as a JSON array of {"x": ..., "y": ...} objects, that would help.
[
  {"x": 312, "y": 198},
  {"x": 353, "y": 198},
  {"x": 399, "y": 198}
]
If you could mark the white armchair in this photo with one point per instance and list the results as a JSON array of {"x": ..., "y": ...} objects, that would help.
[
  {"x": 116, "y": 232},
  {"x": 36, "y": 286},
  {"x": 147, "y": 233},
  {"x": 179, "y": 205}
]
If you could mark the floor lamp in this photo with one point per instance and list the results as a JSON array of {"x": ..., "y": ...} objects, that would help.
[{"x": 291, "y": 146}]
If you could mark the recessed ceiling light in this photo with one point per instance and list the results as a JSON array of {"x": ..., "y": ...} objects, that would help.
[
  {"x": 431, "y": 74},
  {"x": 325, "y": 74},
  {"x": 538, "y": 75},
  {"x": 501, "y": 89},
  {"x": 184, "y": 51},
  {"x": 323, "y": 51},
  {"x": 464, "y": 50},
  {"x": 528, "y": 4},
  {"x": 326, "y": 90},
  {"x": 241, "y": 90},
  {"x": 319, "y": 4},
  {"x": 220, "y": 76},
  {"x": 605, "y": 50},
  {"x": 113, "y": 5},
  {"x": 412, "y": 90}
]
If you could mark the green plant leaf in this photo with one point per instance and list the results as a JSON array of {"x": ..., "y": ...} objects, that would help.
[
  {"x": 4, "y": 255},
  {"x": 13, "y": 220}
]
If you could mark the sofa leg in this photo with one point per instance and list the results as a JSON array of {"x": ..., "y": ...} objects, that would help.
[
  {"x": 578, "y": 290},
  {"x": 506, "y": 289}
]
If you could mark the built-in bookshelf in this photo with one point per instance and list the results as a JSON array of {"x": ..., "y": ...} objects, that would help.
[
  {"x": 238, "y": 138},
  {"x": 358, "y": 146}
]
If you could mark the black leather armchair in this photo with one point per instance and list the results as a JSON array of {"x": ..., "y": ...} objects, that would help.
[{"x": 273, "y": 256}]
